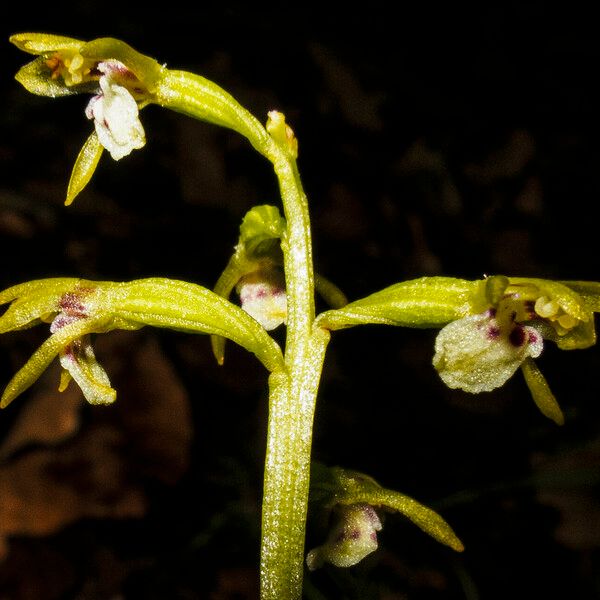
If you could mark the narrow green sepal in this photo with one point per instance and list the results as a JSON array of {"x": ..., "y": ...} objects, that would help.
[
  {"x": 424, "y": 302},
  {"x": 85, "y": 165},
  {"x": 541, "y": 392},
  {"x": 32, "y": 301},
  {"x": 334, "y": 486},
  {"x": 43, "y": 43}
]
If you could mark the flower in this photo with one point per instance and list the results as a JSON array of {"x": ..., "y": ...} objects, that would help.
[
  {"x": 352, "y": 537},
  {"x": 77, "y": 308},
  {"x": 121, "y": 80},
  {"x": 349, "y": 503},
  {"x": 74, "y": 308},
  {"x": 482, "y": 350}
]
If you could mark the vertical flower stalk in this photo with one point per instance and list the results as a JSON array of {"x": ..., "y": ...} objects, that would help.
[
  {"x": 292, "y": 391},
  {"x": 292, "y": 397}
]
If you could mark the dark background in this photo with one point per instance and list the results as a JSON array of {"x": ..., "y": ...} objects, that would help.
[{"x": 453, "y": 141}]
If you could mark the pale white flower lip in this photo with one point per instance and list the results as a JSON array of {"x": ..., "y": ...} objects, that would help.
[
  {"x": 264, "y": 298},
  {"x": 476, "y": 354},
  {"x": 116, "y": 116}
]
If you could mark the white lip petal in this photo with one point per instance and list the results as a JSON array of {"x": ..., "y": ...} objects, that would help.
[
  {"x": 474, "y": 355},
  {"x": 116, "y": 118}
]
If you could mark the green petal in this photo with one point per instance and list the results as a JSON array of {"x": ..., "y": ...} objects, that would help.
[
  {"x": 541, "y": 393},
  {"x": 424, "y": 302},
  {"x": 85, "y": 165},
  {"x": 495, "y": 286},
  {"x": 42, "y": 43},
  {"x": 36, "y": 78}
]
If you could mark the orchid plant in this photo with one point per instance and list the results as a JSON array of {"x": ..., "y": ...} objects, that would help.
[{"x": 488, "y": 328}]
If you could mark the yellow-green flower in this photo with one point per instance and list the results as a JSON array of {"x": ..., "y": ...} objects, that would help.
[
  {"x": 489, "y": 328},
  {"x": 350, "y": 503},
  {"x": 120, "y": 79},
  {"x": 480, "y": 352},
  {"x": 255, "y": 271},
  {"x": 76, "y": 308}
]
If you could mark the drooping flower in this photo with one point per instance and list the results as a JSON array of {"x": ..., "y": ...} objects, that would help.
[
  {"x": 349, "y": 504},
  {"x": 120, "y": 79},
  {"x": 255, "y": 271},
  {"x": 352, "y": 537},
  {"x": 77, "y": 308}
]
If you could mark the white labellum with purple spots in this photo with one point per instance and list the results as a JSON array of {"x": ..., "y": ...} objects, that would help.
[{"x": 478, "y": 354}]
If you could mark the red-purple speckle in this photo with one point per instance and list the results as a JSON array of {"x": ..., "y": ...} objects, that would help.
[{"x": 493, "y": 332}]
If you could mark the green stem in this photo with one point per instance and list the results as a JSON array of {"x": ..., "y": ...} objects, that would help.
[
  {"x": 202, "y": 99},
  {"x": 292, "y": 401},
  {"x": 293, "y": 390}
]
